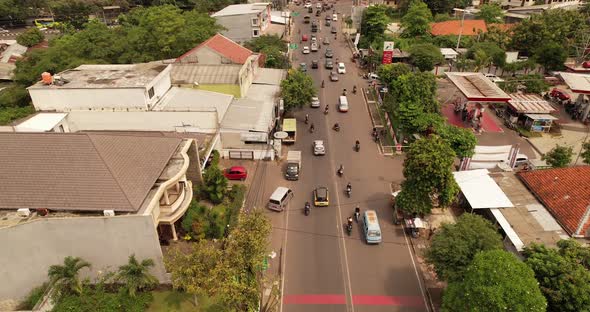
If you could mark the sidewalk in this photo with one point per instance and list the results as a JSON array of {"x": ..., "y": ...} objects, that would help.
[{"x": 573, "y": 135}]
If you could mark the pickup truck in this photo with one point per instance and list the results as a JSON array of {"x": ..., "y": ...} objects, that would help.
[{"x": 293, "y": 165}]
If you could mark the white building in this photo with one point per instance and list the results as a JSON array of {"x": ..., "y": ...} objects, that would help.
[{"x": 244, "y": 21}]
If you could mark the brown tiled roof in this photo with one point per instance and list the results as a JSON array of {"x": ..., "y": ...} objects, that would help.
[
  {"x": 80, "y": 171},
  {"x": 470, "y": 28},
  {"x": 564, "y": 191},
  {"x": 225, "y": 47}
]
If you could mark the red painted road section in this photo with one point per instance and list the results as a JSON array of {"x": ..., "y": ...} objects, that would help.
[
  {"x": 412, "y": 301},
  {"x": 489, "y": 125}
]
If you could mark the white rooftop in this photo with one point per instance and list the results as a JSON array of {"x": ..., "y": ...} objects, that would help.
[
  {"x": 579, "y": 83},
  {"x": 41, "y": 122},
  {"x": 186, "y": 99},
  {"x": 448, "y": 51},
  {"x": 239, "y": 9},
  {"x": 480, "y": 190},
  {"x": 248, "y": 115}
]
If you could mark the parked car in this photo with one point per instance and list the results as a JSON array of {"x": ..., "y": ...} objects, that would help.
[
  {"x": 321, "y": 197},
  {"x": 341, "y": 68},
  {"x": 310, "y": 9},
  {"x": 314, "y": 64},
  {"x": 236, "y": 173},
  {"x": 329, "y": 64},
  {"x": 333, "y": 76},
  {"x": 326, "y": 41},
  {"x": 314, "y": 47},
  {"x": 329, "y": 53},
  {"x": 494, "y": 78},
  {"x": 328, "y": 23},
  {"x": 586, "y": 64},
  {"x": 305, "y": 50},
  {"x": 333, "y": 30},
  {"x": 334, "y": 17},
  {"x": 307, "y": 5},
  {"x": 318, "y": 6},
  {"x": 319, "y": 148},
  {"x": 328, "y": 17},
  {"x": 303, "y": 67},
  {"x": 304, "y": 38},
  {"x": 315, "y": 102},
  {"x": 560, "y": 94}
]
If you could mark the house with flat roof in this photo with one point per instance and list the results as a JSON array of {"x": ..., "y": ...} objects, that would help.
[
  {"x": 244, "y": 21},
  {"x": 64, "y": 194}
]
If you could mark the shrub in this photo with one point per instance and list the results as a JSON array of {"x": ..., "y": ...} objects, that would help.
[
  {"x": 30, "y": 37},
  {"x": 193, "y": 221},
  {"x": 33, "y": 297},
  {"x": 14, "y": 96},
  {"x": 98, "y": 299}
]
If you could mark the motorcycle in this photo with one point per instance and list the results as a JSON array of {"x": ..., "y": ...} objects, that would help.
[
  {"x": 311, "y": 128},
  {"x": 348, "y": 190},
  {"x": 326, "y": 111},
  {"x": 340, "y": 171},
  {"x": 307, "y": 209},
  {"x": 357, "y": 146},
  {"x": 375, "y": 137},
  {"x": 344, "y": 92},
  {"x": 354, "y": 90},
  {"x": 349, "y": 228},
  {"x": 306, "y": 119},
  {"x": 357, "y": 214},
  {"x": 336, "y": 127}
]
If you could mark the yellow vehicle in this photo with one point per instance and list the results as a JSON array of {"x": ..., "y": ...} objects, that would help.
[
  {"x": 321, "y": 197},
  {"x": 290, "y": 126},
  {"x": 46, "y": 23}
]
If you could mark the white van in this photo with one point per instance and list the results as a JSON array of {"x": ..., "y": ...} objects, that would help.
[
  {"x": 280, "y": 198},
  {"x": 343, "y": 104},
  {"x": 371, "y": 227}
]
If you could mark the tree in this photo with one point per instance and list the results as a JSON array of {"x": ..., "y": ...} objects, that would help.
[
  {"x": 534, "y": 83},
  {"x": 491, "y": 13},
  {"x": 495, "y": 281},
  {"x": 564, "y": 281},
  {"x": 446, "y": 6},
  {"x": 374, "y": 23},
  {"x": 485, "y": 53},
  {"x": 73, "y": 12},
  {"x": 586, "y": 153},
  {"x": 297, "y": 90},
  {"x": 425, "y": 56},
  {"x": 559, "y": 156},
  {"x": 388, "y": 73},
  {"x": 454, "y": 246},
  {"x": 551, "y": 56},
  {"x": 136, "y": 275},
  {"x": 30, "y": 37},
  {"x": 428, "y": 171},
  {"x": 415, "y": 104},
  {"x": 416, "y": 22},
  {"x": 461, "y": 140},
  {"x": 64, "y": 278},
  {"x": 214, "y": 184},
  {"x": 259, "y": 43}
]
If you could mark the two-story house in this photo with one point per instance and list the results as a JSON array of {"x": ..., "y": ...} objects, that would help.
[{"x": 244, "y": 21}]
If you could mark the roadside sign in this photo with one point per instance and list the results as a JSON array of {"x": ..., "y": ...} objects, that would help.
[
  {"x": 294, "y": 14},
  {"x": 293, "y": 46}
]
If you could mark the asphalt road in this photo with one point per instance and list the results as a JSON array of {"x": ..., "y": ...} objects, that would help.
[{"x": 324, "y": 268}]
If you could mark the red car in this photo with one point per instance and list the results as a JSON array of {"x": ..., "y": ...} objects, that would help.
[
  {"x": 586, "y": 64},
  {"x": 304, "y": 38},
  {"x": 559, "y": 94},
  {"x": 236, "y": 173}
]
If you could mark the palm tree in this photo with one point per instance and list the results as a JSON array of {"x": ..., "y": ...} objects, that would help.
[
  {"x": 64, "y": 278},
  {"x": 136, "y": 275}
]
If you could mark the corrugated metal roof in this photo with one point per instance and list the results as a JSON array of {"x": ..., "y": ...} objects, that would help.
[
  {"x": 477, "y": 87},
  {"x": 80, "y": 171},
  {"x": 248, "y": 115},
  {"x": 205, "y": 74},
  {"x": 239, "y": 9},
  {"x": 530, "y": 104}
]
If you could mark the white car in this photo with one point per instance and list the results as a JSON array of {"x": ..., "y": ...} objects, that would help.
[
  {"x": 318, "y": 148},
  {"x": 318, "y": 5},
  {"x": 315, "y": 102},
  {"x": 305, "y": 50},
  {"x": 307, "y": 5},
  {"x": 341, "y": 68},
  {"x": 314, "y": 47},
  {"x": 494, "y": 78},
  {"x": 334, "y": 17}
]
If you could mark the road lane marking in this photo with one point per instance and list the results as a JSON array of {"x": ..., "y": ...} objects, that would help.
[
  {"x": 315, "y": 299},
  {"x": 370, "y": 300}
]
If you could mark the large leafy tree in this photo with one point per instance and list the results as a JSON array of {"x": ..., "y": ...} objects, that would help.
[
  {"x": 446, "y": 6},
  {"x": 417, "y": 21},
  {"x": 454, "y": 246},
  {"x": 551, "y": 56},
  {"x": 136, "y": 275},
  {"x": 488, "y": 50},
  {"x": 563, "y": 279},
  {"x": 415, "y": 104},
  {"x": 388, "y": 73},
  {"x": 374, "y": 22},
  {"x": 491, "y": 13},
  {"x": 273, "y": 48},
  {"x": 30, "y": 37},
  {"x": 559, "y": 157},
  {"x": 495, "y": 281},
  {"x": 425, "y": 56},
  {"x": 461, "y": 140},
  {"x": 428, "y": 171},
  {"x": 73, "y": 12},
  {"x": 214, "y": 184},
  {"x": 65, "y": 278},
  {"x": 297, "y": 90}
]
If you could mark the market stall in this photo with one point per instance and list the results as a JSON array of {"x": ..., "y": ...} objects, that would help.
[{"x": 531, "y": 111}]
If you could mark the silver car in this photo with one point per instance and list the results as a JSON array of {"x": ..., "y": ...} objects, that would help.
[
  {"x": 315, "y": 102},
  {"x": 318, "y": 148}
]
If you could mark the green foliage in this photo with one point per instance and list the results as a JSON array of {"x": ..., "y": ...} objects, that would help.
[
  {"x": 559, "y": 156},
  {"x": 374, "y": 23},
  {"x": 136, "y": 275},
  {"x": 450, "y": 41},
  {"x": 416, "y": 22},
  {"x": 259, "y": 43},
  {"x": 8, "y": 115},
  {"x": 72, "y": 12},
  {"x": 491, "y": 13},
  {"x": 14, "y": 96},
  {"x": 496, "y": 35},
  {"x": 586, "y": 153},
  {"x": 495, "y": 281},
  {"x": 388, "y": 73},
  {"x": 33, "y": 297},
  {"x": 454, "y": 246},
  {"x": 415, "y": 104},
  {"x": 442, "y": 17},
  {"x": 97, "y": 299},
  {"x": 534, "y": 83},
  {"x": 30, "y": 37},
  {"x": 297, "y": 90},
  {"x": 551, "y": 56},
  {"x": 461, "y": 140},
  {"x": 214, "y": 184},
  {"x": 425, "y": 56},
  {"x": 563, "y": 279},
  {"x": 64, "y": 278},
  {"x": 428, "y": 171},
  {"x": 446, "y": 6},
  {"x": 487, "y": 53}
]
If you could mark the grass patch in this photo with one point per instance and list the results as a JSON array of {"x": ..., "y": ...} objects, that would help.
[
  {"x": 10, "y": 114},
  {"x": 171, "y": 301},
  {"x": 33, "y": 297},
  {"x": 529, "y": 134}
]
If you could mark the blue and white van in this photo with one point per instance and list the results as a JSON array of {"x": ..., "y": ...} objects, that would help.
[{"x": 371, "y": 227}]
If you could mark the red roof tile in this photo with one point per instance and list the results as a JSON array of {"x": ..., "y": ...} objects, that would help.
[
  {"x": 224, "y": 46},
  {"x": 565, "y": 192},
  {"x": 470, "y": 28}
]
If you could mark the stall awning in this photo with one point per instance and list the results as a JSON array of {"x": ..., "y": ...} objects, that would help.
[
  {"x": 579, "y": 83},
  {"x": 530, "y": 104},
  {"x": 541, "y": 117},
  {"x": 480, "y": 190}
]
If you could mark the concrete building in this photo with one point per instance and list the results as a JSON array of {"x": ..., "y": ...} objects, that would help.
[
  {"x": 244, "y": 21},
  {"x": 216, "y": 50},
  {"x": 98, "y": 196}
]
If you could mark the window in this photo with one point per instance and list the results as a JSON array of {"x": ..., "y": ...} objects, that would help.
[
  {"x": 151, "y": 92},
  {"x": 254, "y": 21},
  {"x": 255, "y": 33}
]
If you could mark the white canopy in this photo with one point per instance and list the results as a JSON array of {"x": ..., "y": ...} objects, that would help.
[{"x": 480, "y": 190}]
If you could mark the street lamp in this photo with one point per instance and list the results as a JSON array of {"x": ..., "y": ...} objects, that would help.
[{"x": 462, "y": 20}]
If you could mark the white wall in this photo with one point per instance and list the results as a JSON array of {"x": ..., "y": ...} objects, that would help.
[
  {"x": 65, "y": 100},
  {"x": 205, "y": 122},
  {"x": 105, "y": 242},
  {"x": 161, "y": 84}
]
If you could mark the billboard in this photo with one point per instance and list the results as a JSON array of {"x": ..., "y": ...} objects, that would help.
[{"x": 387, "y": 52}]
